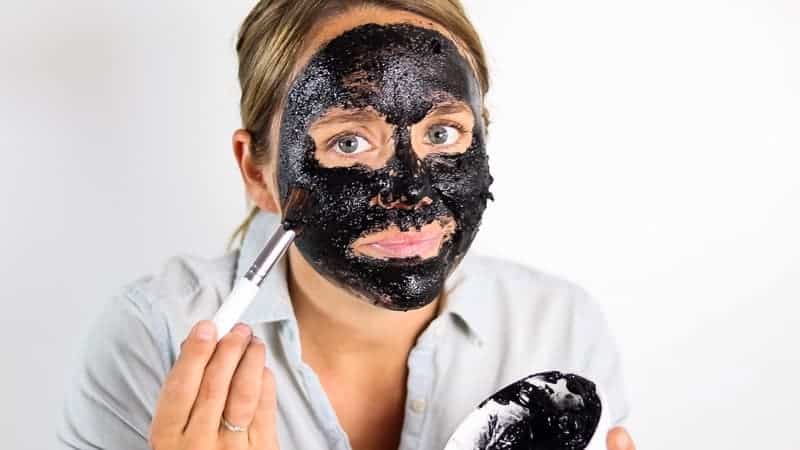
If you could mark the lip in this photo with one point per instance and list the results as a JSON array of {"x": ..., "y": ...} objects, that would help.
[
  {"x": 406, "y": 248},
  {"x": 393, "y": 243}
]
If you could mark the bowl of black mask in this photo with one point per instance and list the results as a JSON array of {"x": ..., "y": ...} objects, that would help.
[{"x": 544, "y": 411}]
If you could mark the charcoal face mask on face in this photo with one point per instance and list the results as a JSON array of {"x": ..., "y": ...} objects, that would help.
[{"x": 402, "y": 72}]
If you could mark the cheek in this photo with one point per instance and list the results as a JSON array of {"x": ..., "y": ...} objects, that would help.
[
  {"x": 344, "y": 194},
  {"x": 462, "y": 177}
]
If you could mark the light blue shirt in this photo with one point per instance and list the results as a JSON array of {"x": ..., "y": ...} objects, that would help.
[{"x": 499, "y": 322}]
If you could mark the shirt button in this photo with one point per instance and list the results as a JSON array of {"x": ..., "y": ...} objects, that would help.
[{"x": 418, "y": 405}]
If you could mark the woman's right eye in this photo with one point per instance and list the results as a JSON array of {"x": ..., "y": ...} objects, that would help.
[{"x": 351, "y": 144}]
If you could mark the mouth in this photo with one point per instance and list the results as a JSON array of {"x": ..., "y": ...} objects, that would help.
[{"x": 391, "y": 242}]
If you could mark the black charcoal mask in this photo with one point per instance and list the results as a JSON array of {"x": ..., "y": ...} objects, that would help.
[{"x": 402, "y": 72}]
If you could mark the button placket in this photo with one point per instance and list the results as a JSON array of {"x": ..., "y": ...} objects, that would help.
[
  {"x": 315, "y": 394},
  {"x": 419, "y": 389},
  {"x": 418, "y": 405}
]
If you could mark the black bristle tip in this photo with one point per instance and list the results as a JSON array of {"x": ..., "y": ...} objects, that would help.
[{"x": 292, "y": 211}]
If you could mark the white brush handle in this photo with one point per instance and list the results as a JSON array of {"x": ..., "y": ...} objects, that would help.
[
  {"x": 246, "y": 288},
  {"x": 243, "y": 293}
]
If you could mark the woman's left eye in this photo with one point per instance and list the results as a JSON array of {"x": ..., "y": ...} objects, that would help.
[{"x": 442, "y": 134}]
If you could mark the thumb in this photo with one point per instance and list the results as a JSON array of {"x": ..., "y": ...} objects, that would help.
[{"x": 619, "y": 439}]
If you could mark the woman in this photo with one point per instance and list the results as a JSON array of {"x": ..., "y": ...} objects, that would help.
[{"x": 378, "y": 331}]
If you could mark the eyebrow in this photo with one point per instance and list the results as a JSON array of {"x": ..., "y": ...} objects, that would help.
[
  {"x": 365, "y": 115},
  {"x": 448, "y": 108},
  {"x": 345, "y": 116}
]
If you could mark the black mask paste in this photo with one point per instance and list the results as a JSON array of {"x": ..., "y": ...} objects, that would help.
[
  {"x": 402, "y": 72},
  {"x": 545, "y": 411}
]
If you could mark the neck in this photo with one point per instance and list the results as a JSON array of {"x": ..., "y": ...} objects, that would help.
[{"x": 337, "y": 328}]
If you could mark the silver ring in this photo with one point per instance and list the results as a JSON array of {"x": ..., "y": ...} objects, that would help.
[{"x": 232, "y": 427}]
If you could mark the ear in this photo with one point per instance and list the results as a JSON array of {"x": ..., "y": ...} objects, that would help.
[{"x": 255, "y": 177}]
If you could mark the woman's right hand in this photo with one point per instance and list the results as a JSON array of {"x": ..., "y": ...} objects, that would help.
[{"x": 213, "y": 380}]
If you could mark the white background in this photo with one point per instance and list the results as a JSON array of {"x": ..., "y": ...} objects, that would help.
[{"x": 644, "y": 149}]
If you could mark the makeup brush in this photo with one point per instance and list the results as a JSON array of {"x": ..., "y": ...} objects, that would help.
[{"x": 246, "y": 287}]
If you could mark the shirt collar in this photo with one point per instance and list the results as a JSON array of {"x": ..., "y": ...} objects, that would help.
[{"x": 465, "y": 293}]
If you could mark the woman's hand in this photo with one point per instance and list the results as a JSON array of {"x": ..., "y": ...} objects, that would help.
[
  {"x": 213, "y": 380},
  {"x": 619, "y": 439}
]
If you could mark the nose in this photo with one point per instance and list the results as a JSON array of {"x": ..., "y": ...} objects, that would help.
[{"x": 409, "y": 184}]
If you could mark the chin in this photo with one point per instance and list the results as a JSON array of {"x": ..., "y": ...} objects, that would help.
[{"x": 397, "y": 284}]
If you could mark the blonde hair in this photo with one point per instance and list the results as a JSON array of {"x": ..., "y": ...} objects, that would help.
[{"x": 272, "y": 38}]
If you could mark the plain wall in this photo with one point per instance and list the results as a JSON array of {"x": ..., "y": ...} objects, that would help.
[{"x": 652, "y": 145}]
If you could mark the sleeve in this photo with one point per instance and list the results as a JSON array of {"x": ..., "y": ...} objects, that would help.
[
  {"x": 112, "y": 393},
  {"x": 602, "y": 361}
]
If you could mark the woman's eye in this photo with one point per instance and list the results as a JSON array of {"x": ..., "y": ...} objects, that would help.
[
  {"x": 351, "y": 144},
  {"x": 442, "y": 135}
]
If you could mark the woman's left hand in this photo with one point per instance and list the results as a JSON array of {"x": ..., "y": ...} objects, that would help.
[{"x": 619, "y": 439}]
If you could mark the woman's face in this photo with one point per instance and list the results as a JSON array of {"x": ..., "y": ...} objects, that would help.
[{"x": 382, "y": 128}]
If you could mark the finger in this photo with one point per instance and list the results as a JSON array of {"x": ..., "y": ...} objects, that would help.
[
  {"x": 214, "y": 388},
  {"x": 263, "y": 429},
  {"x": 619, "y": 439},
  {"x": 245, "y": 390},
  {"x": 180, "y": 388}
]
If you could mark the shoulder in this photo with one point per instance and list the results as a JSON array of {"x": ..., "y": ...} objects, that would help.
[
  {"x": 536, "y": 318},
  {"x": 181, "y": 277},
  {"x": 159, "y": 309},
  {"x": 131, "y": 345},
  {"x": 540, "y": 321},
  {"x": 184, "y": 290},
  {"x": 523, "y": 289}
]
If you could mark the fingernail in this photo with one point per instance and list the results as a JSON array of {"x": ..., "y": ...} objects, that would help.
[
  {"x": 204, "y": 330},
  {"x": 242, "y": 330}
]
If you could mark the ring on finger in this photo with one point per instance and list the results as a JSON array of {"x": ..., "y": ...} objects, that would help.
[{"x": 232, "y": 427}]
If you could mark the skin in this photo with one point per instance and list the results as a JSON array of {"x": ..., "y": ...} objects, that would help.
[{"x": 358, "y": 351}]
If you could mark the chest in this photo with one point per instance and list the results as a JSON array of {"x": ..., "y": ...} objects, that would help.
[
  {"x": 372, "y": 417},
  {"x": 371, "y": 412}
]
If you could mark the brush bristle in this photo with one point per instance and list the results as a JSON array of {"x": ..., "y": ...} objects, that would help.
[{"x": 292, "y": 212}]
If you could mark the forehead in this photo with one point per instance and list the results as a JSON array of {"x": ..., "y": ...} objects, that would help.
[
  {"x": 400, "y": 69},
  {"x": 335, "y": 25},
  {"x": 398, "y": 57}
]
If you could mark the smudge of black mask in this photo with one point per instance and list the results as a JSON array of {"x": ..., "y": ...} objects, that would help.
[{"x": 402, "y": 72}]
